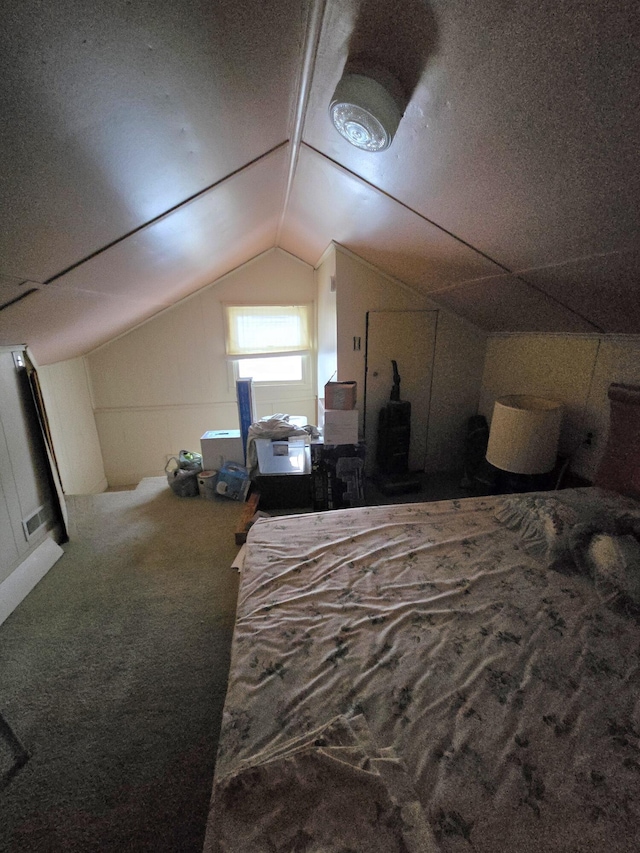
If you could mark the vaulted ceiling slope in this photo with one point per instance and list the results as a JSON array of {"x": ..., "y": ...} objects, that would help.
[{"x": 148, "y": 147}]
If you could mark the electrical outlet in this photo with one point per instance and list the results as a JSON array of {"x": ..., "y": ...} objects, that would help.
[
  {"x": 356, "y": 343},
  {"x": 588, "y": 439}
]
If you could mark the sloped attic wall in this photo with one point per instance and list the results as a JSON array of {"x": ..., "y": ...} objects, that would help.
[{"x": 158, "y": 388}]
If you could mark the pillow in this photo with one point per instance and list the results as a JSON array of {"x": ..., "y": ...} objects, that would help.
[
  {"x": 557, "y": 528},
  {"x": 619, "y": 469},
  {"x": 614, "y": 563},
  {"x": 543, "y": 524},
  {"x": 580, "y": 539}
]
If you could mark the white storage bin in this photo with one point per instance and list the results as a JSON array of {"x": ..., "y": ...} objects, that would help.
[{"x": 219, "y": 446}]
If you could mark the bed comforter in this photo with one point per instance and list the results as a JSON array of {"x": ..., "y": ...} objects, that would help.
[{"x": 408, "y": 678}]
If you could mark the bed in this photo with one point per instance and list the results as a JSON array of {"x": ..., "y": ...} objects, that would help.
[{"x": 430, "y": 678}]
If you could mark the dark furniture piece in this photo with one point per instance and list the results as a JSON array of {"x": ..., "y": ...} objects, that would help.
[
  {"x": 394, "y": 435},
  {"x": 283, "y": 491},
  {"x": 283, "y": 479},
  {"x": 337, "y": 475}
]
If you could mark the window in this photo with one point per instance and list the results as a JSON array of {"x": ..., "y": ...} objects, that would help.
[
  {"x": 287, "y": 368},
  {"x": 270, "y": 343}
]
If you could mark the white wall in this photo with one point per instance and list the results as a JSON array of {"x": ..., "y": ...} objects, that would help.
[
  {"x": 457, "y": 379},
  {"x": 67, "y": 398},
  {"x": 158, "y": 388},
  {"x": 575, "y": 369},
  {"x": 459, "y": 353}
]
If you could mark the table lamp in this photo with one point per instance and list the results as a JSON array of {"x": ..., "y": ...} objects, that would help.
[{"x": 524, "y": 434}]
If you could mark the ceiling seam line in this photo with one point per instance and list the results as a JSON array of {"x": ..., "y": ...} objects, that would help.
[
  {"x": 18, "y": 298},
  {"x": 453, "y": 236},
  {"x": 406, "y": 207},
  {"x": 170, "y": 307},
  {"x": 312, "y": 38},
  {"x": 433, "y": 294},
  {"x": 165, "y": 213},
  {"x": 577, "y": 260},
  {"x": 559, "y": 302}
]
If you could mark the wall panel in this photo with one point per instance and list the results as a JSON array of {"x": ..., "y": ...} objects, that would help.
[
  {"x": 67, "y": 397},
  {"x": 158, "y": 388},
  {"x": 555, "y": 366},
  {"x": 576, "y": 369},
  {"x": 460, "y": 349}
]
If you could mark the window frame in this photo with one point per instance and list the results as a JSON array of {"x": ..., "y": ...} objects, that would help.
[{"x": 233, "y": 359}]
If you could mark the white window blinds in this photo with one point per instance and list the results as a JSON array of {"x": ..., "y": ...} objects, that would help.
[{"x": 264, "y": 329}]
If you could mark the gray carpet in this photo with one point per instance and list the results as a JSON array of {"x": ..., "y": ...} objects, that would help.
[{"x": 113, "y": 673}]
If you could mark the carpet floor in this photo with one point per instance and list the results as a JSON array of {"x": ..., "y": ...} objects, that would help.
[{"x": 113, "y": 674}]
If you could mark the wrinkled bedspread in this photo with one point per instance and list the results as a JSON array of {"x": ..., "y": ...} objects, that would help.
[{"x": 505, "y": 693}]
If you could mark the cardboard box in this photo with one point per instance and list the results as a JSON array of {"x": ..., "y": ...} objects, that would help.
[
  {"x": 340, "y": 395},
  {"x": 219, "y": 446},
  {"x": 340, "y": 426}
]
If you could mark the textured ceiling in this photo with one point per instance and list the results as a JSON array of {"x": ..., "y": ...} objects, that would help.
[{"x": 149, "y": 147}]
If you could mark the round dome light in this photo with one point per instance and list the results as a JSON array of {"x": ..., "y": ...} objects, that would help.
[{"x": 366, "y": 110}]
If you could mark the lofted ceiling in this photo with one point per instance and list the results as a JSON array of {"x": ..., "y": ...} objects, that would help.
[{"x": 149, "y": 147}]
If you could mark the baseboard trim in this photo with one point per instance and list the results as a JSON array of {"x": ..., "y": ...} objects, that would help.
[
  {"x": 15, "y": 588},
  {"x": 102, "y": 486}
]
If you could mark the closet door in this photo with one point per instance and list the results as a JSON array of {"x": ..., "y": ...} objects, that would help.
[
  {"x": 408, "y": 337},
  {"x": 25, "y": 490}
]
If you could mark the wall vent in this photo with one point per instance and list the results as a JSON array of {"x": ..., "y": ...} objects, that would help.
[{"x": 32, "y": 524}]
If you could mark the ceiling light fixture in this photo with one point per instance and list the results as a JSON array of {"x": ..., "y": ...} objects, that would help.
[{"x": 366, "y": 108}]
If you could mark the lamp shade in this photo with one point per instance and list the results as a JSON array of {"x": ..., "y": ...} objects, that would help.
[{"x": 524, "y": 434}]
